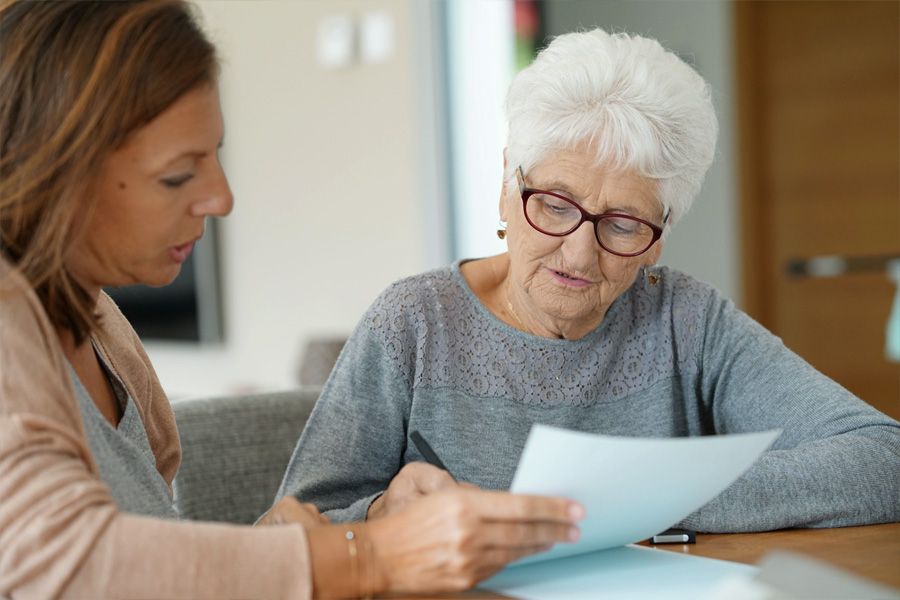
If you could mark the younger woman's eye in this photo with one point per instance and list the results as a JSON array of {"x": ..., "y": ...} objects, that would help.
[{"x": 177, "y": 180}]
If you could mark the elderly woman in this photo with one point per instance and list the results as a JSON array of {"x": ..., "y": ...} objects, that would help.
[
  {"x": 609, "y": 139},
  {"x": 109, "y": 130}
]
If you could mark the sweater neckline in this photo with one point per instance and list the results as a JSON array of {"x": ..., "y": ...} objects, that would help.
[{"x": 496, "y": 323}]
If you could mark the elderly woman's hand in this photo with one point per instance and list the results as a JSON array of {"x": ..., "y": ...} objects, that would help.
[
  {"x": 453, "y": 539},
  {"x": 290, "y": 510},
  {"x": 413, "y": 481}
]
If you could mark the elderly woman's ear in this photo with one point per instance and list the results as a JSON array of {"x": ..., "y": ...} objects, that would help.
[
  {"x": 502, "y": 208},
  {"x": 502, "y": 205},
  {"x": 653, "y": 254}
]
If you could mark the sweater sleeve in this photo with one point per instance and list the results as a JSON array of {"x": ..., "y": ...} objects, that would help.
[
  {"x": 837, "y": 462},
  {"x": 354, "y": 441},
  {"x": 61, "y": 533}
]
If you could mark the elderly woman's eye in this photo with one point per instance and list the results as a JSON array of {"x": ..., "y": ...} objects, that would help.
[
  {"x": 622, "y": 226},
  {"x": 555, "y": 205}
]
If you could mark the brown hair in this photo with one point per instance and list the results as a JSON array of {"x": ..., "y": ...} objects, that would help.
[{"x": 76, "y": 78}]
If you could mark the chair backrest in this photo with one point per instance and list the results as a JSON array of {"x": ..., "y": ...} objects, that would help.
[
  {"x": 317, "y": 359},
  {"x": 235, "y": 451}
]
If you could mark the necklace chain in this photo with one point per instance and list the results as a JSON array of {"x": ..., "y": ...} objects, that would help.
[{"x": 512, "y": 311}]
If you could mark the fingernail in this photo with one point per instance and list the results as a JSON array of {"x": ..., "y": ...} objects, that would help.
[
  {"x": 574, "y": 534},
  {"x": 576, "y": 511}
]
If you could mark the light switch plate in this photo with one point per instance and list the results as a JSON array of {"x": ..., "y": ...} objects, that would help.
[
  {"x": 376, "y": 37},
  {"x": 335, "y": 47}
]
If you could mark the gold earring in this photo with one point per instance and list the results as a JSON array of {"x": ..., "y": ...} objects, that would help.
[
  {"x": 501, "y": 233},
  {"x": 651, "y": 275}
]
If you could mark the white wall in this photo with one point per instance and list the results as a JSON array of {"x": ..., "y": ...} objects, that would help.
[
  {"x": 705, "y": 242},
  {"x": 339, "y": 175},
  {"x": 336, "y": 176}
]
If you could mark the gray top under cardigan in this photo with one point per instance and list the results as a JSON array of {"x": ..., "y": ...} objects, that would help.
[
  {"x": 673, "y": 358},
  {"x": 123, "y": 455}
]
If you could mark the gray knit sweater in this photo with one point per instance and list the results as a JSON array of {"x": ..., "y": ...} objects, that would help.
[{"x": 670, "y": 359}]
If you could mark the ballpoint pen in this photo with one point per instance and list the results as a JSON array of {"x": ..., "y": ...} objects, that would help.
[{"x": 425, "y": 450}]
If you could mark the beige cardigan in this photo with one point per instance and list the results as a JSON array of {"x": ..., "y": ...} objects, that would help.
[{"x": 61, "y": 534}]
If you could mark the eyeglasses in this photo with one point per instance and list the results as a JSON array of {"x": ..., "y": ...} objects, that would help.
[{"x": 552, "y": 214}]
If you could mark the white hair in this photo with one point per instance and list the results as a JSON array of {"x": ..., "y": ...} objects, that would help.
[{"x": 639, "y": 106}]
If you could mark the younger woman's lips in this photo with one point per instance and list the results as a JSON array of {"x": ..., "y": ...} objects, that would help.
[{"x": 180, "y": 253}]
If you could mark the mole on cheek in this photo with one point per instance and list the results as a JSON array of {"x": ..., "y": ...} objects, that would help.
[{"x": 122, "y": 185}]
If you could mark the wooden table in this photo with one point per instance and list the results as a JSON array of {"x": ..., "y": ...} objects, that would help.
[{"x": 872, "y": 552}]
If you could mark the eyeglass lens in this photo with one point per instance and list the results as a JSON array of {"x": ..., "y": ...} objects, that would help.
[{"x": 558, "y": 216}]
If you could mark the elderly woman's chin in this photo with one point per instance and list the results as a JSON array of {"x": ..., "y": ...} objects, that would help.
[{"x": 581, "y": 305}]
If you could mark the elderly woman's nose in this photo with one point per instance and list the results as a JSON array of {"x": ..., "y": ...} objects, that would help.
[
  {"x": 580, "y": 248},
  {"x": 584, "y": 238}
]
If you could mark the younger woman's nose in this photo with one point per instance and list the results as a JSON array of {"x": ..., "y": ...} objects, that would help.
[{"x": 217, "y": 200}]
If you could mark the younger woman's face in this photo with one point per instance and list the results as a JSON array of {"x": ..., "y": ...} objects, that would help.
[{"x": 153, "y": 195}]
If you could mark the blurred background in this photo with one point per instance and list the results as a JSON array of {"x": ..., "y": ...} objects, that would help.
[{"x": 364, "y": 144}]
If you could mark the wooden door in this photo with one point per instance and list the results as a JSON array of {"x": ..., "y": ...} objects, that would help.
[{"x": 819, "y": 144}]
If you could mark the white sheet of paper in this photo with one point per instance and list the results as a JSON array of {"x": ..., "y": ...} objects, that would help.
[
  {"x": 632, "y": 488},
  {"x": 624, "y": 573}
]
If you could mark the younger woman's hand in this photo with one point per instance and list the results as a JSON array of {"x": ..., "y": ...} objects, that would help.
[{"x": 452, "y": 539}]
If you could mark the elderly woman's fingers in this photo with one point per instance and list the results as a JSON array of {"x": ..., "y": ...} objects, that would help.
[
  {"x": 427, "y": 478},
  {"x": 414, "y": 480},
  {"x": 290, "y": 510}
]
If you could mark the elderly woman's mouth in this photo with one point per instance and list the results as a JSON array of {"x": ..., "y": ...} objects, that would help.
[{"x": 569, "y": 279}]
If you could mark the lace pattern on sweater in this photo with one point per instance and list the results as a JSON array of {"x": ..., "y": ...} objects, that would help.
[{"x": 439, "y": 335}]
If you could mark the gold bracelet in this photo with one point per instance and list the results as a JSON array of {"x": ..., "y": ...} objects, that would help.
[
  {"x": 350, "y": 536},
  {"x": 361, "y": 563},
  {"x": 369, "y": 564}
]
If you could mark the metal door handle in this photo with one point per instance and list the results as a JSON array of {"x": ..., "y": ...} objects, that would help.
[{"x": 835, "y": 266}]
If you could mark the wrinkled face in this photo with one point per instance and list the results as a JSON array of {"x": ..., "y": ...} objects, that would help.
[
  {"x": 153, "y": 195},
  {"x": 570, "y": 282}
]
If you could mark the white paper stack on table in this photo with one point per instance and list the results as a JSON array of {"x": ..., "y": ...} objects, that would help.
[{"x": 632, "y": 489}]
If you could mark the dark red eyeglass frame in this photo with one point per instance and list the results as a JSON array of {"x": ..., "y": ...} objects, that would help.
[{"x": 527, "y": 192}]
